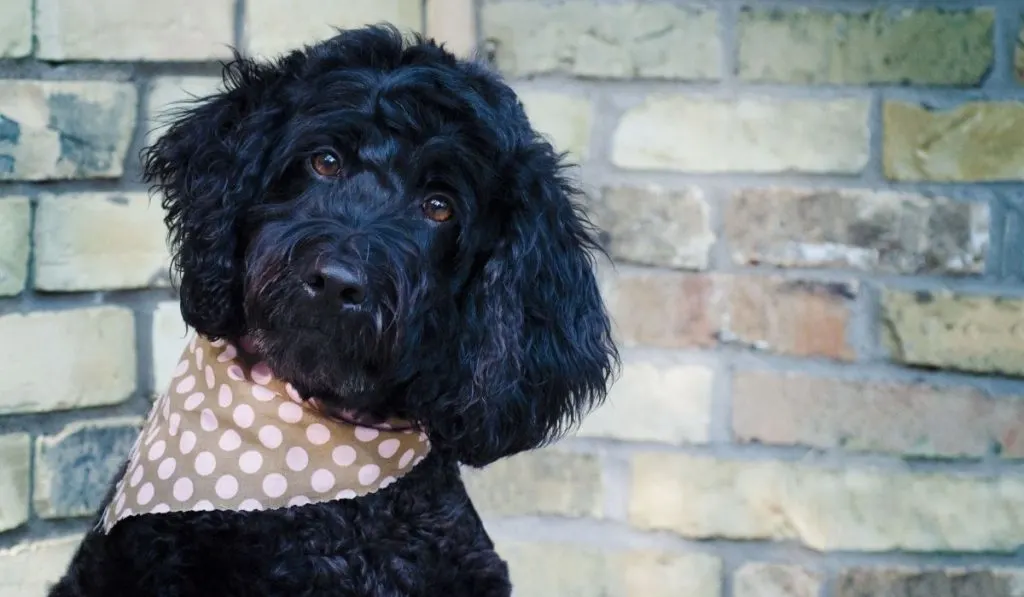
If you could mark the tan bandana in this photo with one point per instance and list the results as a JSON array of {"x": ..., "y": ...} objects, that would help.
[{"x": 228, "y": 435}]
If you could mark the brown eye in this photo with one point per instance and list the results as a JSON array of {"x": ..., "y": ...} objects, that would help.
[
  {"x": 438, "y": 207},
  {"x": 326, "y": 163}
]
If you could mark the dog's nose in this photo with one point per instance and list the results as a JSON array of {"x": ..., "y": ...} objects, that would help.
[{"x": 336, "y": 284}]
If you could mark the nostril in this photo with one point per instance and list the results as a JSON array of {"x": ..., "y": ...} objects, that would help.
[{"x": 352, "y": 294}]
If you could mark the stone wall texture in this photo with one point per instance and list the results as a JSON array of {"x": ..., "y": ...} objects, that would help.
[{"x": 816, "y": 213}]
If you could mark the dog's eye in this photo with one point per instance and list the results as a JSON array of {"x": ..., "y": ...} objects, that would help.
[
  {"x": 326, "y": 163},
  {"x": 438, "y": 207}
]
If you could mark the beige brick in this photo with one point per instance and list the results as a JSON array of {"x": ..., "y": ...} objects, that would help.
[
  {"x": 276, "y": 26},
  {"x": 564, "y": 119},
  {"x": 855, "y": 509},
  {"x": 880, "y": 231},
  {"x": 167, "y": 94},
  {"x": 15, "y": 452},
  {"x": 908, "y": 46},
  {"x": 546, "y": 481},
  {"x": 65, "y": 129},
  {"x": 972, "y": 142},
  {"x": 30, "y": 569},
  {"x": 453, "y": 24},
  {"x": 868, "y": 415},
  {"x": 657, "y": 398},
  {"x": 651, "y": 225},
  {"x": 954, "y": 582},
  {"x": 170, "y": 335},
  {"x": 654, "y": 574},
  {"x": 758, "y": 579},
  {"x": 981, "y": 334},
  {"x": 100, "y": 241},
  {"x": 651, "y": 40},
  {"x": 15, "y": 28},
  {"x": 750, "y": 134},
  {"x": 188, "y": 30},
  {"x": 15, "y": 220},
  {"x": 662, "y": 310},
  {"x": 61, "y": 360}
]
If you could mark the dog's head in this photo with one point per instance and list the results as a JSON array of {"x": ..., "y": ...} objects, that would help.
[{"x": 383, "y": 222}]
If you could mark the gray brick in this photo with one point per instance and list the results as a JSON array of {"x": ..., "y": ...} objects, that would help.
[
  {"x": 15, "y": 28},
  {"x": 15, "y": 451},
  {"x": 15, "y": 219},
  {"x": 29, "y": 569}
]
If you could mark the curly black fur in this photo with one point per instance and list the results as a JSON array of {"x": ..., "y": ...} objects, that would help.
[{"x": 487, "y": 328}]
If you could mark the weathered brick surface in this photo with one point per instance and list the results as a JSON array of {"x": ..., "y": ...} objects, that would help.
[
  {"x": 635, "y": 39},
  {"x": 652, "y": 225},
  {"x": 661, "y": 310},
  {"x": 868, "y": 415},
  {"x": 548, "y": 481},
  {"x": 15, "y": 452},
  {"x": 29, "y": 569},
  {"x": 74, "y": 468},
  {"x": 758, "y": 579},
  {"x": 657, "y": 398},
  {"x": 167, "y": 94},
  {"x": 15, "y": 28},
  {"x": 921, "y": 47},
  {"x": 1018, "y": 56},
  {"x": 566, "y": 120},
  {"x": 750, "y": 134},
  {"x": 981, "y": 334},
  {"x": 169, "y": 338},
  {"x": 15, "y": 219},
  {"x": 669, "y": 575},
  {"x": 825, "y": 509},
  {"x": 880, "y": 231},
  {"x": 972, "y": 142},
  {"x": 64, "y": 129},
  {"x": 276, "y": 26},
  {"x": 900, "y": 582},
  {"x": 60, "y": 360},
  {"x": 118, "y": 30},
  {"x": 100, "y": 241}
]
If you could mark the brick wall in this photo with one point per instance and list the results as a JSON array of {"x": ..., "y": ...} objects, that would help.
[{"x": 815, "y": 212}]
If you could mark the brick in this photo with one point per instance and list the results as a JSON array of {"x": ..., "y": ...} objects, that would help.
[
  {"x": 566, "y": 120},
  {"x": 657, "y": 398},
  {"x": 15, "y": 28},
  {"x": 654, "y": 574},
  {"x": 74, "y": 469},
  {"x": 849, "y": 509},
  {"x": 971, "y": 142},
  {"x": 277, "y": 26},
  {"x": 15, "y": 221},
  {"x": 651, "y": 225},
  {"x": 546, "y": 481},
  {"x": 662, "y": 310},
  {"x": 877, "y": 231},
  {"x": 912, "y": 419},
  {"x": 453, "y": 24},
  {"x": 749, "y": 134},
  {"x": 758, "y": 579},
  {"x": 634, "y": 40},
  {"x": 53, "y": 130},
  {"x": 1018, "y": 56},
  {"x": 167, "y": 94},
  {"x": 898, "y": 582},
  {"x": 170, "y": 334},
  {"x": 188, "y": 30},
  {"x": 15, "y": 451},
  {"x": 918, "y": 47},
  {"x": 980, "y": 334},
  {"x": 62, "y": 360},
  {"x": 30, "y": 569}
]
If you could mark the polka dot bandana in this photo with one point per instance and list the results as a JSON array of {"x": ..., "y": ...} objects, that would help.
[{"x": 228, "y": 435}]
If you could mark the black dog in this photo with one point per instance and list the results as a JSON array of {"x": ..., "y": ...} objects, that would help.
[{"x": 383, "y": 222}]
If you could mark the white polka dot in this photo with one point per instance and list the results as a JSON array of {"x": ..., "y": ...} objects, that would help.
[
  {"x": 157, "y": 450},
  {"x": 317, "y": 434},
  {"x": 207, "y": 420},
  {"x": 210, "y": 380},
  {"x": 235, "y": 372},
  {"x": 248, "y": 505},
  {"x": 205, "y": 463},
  {"x": 160, "y": 509},
  {"x": 136, "y": 476},
  {"x": 180, "y": 369},
  {"x": 193, "y": 401},
  {"x": 187, "y": 442},
  {"x": 199, "y": 357},
  {"x": 226, "y": 487},
  {"x": 243, "y": 416},
  {"x": 343, "y": 455},
  {"x": 250, "y": 461},
  {"x": 230, "y": 440},
  {"x": 218, "y": 342},
  {"x": 366, "y": 434},
  {"x": 151, "y": 435},
  {"x": 388, "y": 447},
  {"x": 203, "y": 506},
  {"x": 386, "y": 481},
  {"x": 274, "y": 485},
  {"x": 174, "y": 424},
  {"x": 127, "y": 512},
  {"x": 345, "y": 494},
  {"x": 182, "y": 489},
  {"x": 165, "y": 404},
  {"x": 292, "y": 392},
  {"x": 120, "y": 502},
  {"x": 322, "y": 480},
  {"x": 166, "y": 468},
  {"x": 368, "y": 473},
  {"x": 263, "y": 394},
  {"x": 299, "y": 500},
  {"x": 229, "y": 353},
  {"x": 289, "y": 412},
  {"x": 297, "y": 459},
  {"x": 406, "y": 458},
  {"x": 224, "y": 396},
  {"x": 422, "y": 437},
  {"x": 418, "y": 460},
  {"x": 145, "y": 494},
  {"x": 185, "y": 385},
  {"x": 261, "y": 373},
  {"x": 192, "y": 343},
  {"x": 270, "y": 436}
]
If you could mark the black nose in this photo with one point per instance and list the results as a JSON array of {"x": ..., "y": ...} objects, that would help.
[{"x": 336, "y": 284}]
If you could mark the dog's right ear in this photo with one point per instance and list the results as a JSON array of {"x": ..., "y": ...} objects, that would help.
[{"x": 210, "y": 166}]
